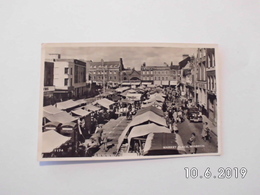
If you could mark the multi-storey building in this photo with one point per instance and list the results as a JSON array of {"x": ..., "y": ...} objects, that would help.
[
  {"x": 48, "y": 88},
  {"x": 130, "y": 77},
  {"x": 69, "y": 78},
  {"x": 201, "y": 64},
  {"x": 105, "y": 72},
  {"x": 211, "y": 85},
  {"x": 159, "y": 75},
  {"x": 185, "y": 76}
]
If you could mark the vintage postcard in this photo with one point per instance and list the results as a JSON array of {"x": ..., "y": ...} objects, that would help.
[{"x": 114, "y": 101}]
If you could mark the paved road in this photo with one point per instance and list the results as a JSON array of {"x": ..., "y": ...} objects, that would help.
[{"x": 186, "y": 128}]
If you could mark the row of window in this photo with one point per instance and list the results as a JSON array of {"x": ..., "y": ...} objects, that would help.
[
  {"x": 212, "y": 83},
  {"x": 157, "y": 72},
  {"x": 105, "y": 66},
  {"x": 101, "y": 77},
  {"x": 159, "y": 78},
  {"x": 103, "y": 72},
  {"x": 211, "y": 61}
]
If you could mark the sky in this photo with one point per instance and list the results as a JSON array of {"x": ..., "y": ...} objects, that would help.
[{"x": 133, "y": 57}]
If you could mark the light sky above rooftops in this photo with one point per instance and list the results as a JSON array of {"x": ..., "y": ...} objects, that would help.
[{"x": 133, "y": 57}]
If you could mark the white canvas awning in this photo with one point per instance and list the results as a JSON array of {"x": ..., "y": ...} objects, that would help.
[
  {"x": 80, "y": 112},
  {"x": 147, "y": 117},
  {"x": 81, "y": 101},
  {"x": 51, "y": 109},
  {"x": 106, "y": 103},
  {"x": 146, "y": 129},
  {"x": 152, "y": 109},
  {"x": 67, "y": 104},
  {"x": 51, "y": 140},
  {"x": 146, "y": 83},
  {"x": 165, "y": 82},
  {"x": 133, "y": 96},
  {"x": 173, "y": 82},
  {"x": 122, "y": 89},
  {"x": 62, "y": 117},
  {"x": 90, "y": 107}
]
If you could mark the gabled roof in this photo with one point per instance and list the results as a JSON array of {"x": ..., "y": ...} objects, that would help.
[
  {"x": 80, "y": 112},
  {"x": 104, "y": 102},
  {"x": 62, "y": 117},
  {"x": 67, "y": 104},
  {"x": 163, "y": 143},
  {"x": 147, "y": 129},
  {"x": 150, "y": 108},
  {"x": 51, "y": 109},
  {"x": 147, "y": 117},
  {"x": 184, "y": 62},
  {"x": 91, "y": 107}
]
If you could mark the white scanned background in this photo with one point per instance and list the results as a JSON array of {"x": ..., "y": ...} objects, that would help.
[{"x": 234, "y": 25}]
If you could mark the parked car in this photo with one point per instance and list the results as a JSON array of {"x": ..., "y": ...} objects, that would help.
[{"x": 194, "y": 115}]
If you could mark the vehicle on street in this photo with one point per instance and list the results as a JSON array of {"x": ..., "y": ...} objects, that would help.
[{"x": 194, "y": 115}]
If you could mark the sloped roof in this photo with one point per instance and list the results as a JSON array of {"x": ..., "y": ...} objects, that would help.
[
  {"x": 80, "y": 112},
  {"x": 147, "y": 117},
  {"x": 62, "y": 117},
  {"x": 104, "y": 102},
  {"x": 51, "y": 140},
  {"x": 81, "y": 101},
  {"x": 163, "y": 143},
  {"x": 91, "y": 107},
  {"x": 152, "y": 109},
  {"x": 51, "y": 109},
  {"x": 67, "y": 104},
  {"x": 147, "y": 129},
  {"x": 184, "y": 62},
  {"x": 122, "y": 89}
]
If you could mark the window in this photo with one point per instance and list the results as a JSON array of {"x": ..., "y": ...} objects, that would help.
[
  {"x": 66, "y": 70},
  {"x": 70, "y": 81},
  {"x": 174, "y": 72},
  {"x": 166, "y": 78},
  {"x": 174, "y": 77},
  {"x": 66, "y": 82},
  {"x": 154, "y": 78},
  {"x": 159, "y": 78},
  {"x": 162, "y": 78},
  {"x": 209, "y": 62},
  {"x": 115, "y": 78},
  {"x": 212, "y": 83},
  {"x": 213, "y": 61},
  {"x": 71, "y": 71}
]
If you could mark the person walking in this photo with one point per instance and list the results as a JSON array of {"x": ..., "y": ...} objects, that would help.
[
  {"x": 191, "y": 143},
  {"x": 104, "y": 141},
  {"x": 205, "y": 131}
]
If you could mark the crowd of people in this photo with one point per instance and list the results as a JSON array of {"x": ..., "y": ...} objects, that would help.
[{"x": 173, "y": 107}]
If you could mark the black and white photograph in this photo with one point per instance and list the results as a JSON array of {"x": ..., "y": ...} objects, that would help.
[{"x": 128, "y": 101}]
